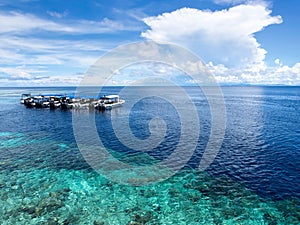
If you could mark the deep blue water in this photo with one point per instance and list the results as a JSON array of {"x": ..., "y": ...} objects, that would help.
[{"x": 258, "y": 162}]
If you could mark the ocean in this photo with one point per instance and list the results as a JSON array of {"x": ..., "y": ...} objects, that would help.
[{"x": 47, "y": 176}]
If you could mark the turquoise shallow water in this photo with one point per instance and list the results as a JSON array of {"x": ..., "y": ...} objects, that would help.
[
  {"x": 45, "y": 180},
  {"x": 66, "y": 196},
  {"x": 48, "y": 196}
]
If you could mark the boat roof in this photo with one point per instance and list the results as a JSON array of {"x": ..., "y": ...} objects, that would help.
[
  {"x": 53, "y": 95},
  {"x": 110, "y": 96}
]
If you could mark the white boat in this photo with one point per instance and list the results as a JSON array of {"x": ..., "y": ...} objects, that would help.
[
  {"x": 24, "y": 97},
  {"x": 109, "y": 102},
  {"x": 29, "y": 102},
  {"x": 46, "y": 104},
  {"x": 40, "y": 101},
  {"x": 65, "y": 102},
  {"x": 54, "y": 102}
]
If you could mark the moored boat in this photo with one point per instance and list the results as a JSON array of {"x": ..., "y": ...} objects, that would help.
[
  {"x": 66, "y": 102},
  {"x": 54, "y": 102},
  {"x": 24, "y": 97},
  {"x": 41, "y": 102},
  {"x": 108, "y": 102}
]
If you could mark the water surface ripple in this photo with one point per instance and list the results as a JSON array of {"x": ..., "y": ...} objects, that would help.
[{"x": 255, "y": 178}]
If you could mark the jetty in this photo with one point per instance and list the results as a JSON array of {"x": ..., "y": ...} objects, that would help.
[{"x": 65, "y": 102}]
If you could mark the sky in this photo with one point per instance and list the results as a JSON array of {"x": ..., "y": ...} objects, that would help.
[{"x": 53, "y": 42}]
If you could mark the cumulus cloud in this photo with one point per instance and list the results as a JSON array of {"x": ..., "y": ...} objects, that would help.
[
  {"x": 278, "y": 62},
  {"x": 224, "y": 37},
  {"x": 279, "y": 74},
  {"x": 226, "y": 41}
]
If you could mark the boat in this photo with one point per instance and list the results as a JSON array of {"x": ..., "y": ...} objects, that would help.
[
  {"x": 24, "y": 97},
  {"x": 54, "y": 102},
  {"x": 108, "y": 102},
  {"x": 41, "y": 102},
  {"x": 46, "y": 104},
  {"x": 29, "y": 102},
  {"x": 65, "y": 102}
]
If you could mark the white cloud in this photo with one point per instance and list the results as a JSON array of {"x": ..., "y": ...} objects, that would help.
[
  {"x": 19, "y": 51},
  {"x": 70, "y": 80},
  {"x": 226, "y": 40},
  {"x": 42, "y": 81},
  {"x": 57, "y": 14},
  {"x": 278, "y": 62},
  {"x": 15, "y": 22},
  {"x": 233, "y": 2},
  {"x": 23, "y": 51},
  {"x": 21, "y": 74},
  {"x": 21, "y": 43},
  {"x": 35, "y": 76},
  {"x": 280, "y": 74},
  {"x": 224, "y": 37},
  {"x": 16, "y": 73}
]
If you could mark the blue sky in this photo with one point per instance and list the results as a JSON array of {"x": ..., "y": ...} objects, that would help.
[{"x": 50, "y": 42}]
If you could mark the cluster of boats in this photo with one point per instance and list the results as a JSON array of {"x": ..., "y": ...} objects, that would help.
[{"x": 65, "y": 102}]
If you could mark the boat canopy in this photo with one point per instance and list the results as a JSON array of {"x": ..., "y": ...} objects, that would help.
[
  {"x": 52, "y": 95},
  {"x": 110, "y": 96}
]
